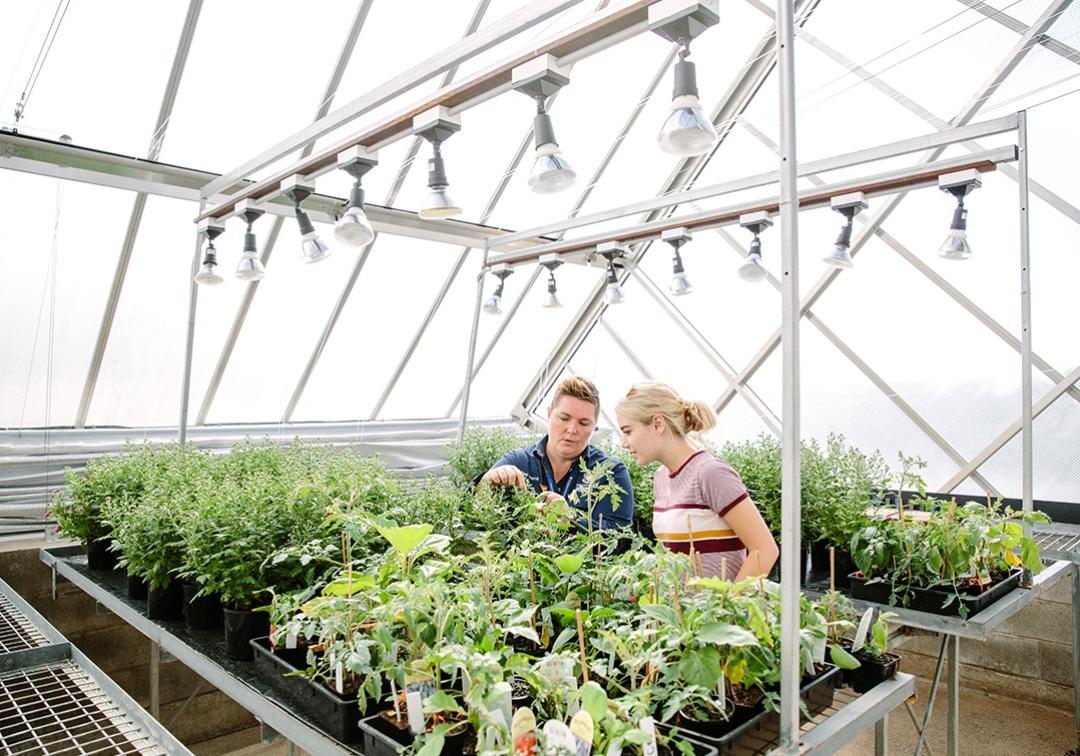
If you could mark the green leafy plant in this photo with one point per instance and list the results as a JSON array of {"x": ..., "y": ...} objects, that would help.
[{"x": 478, "y": 451}]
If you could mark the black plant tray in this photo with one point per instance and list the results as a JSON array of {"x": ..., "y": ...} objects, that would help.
[
  {"x": 383, "y": 739},
  {"x": 932, "y": 600},
  {"x": 338, "y": 714},
  {"x": 816, "y": 692}
]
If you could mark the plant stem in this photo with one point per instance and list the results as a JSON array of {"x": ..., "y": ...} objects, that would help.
[{"x": 581, "y": 646}]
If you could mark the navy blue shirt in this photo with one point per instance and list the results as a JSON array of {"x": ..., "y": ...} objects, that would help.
[{"x": 534, "y": 463}]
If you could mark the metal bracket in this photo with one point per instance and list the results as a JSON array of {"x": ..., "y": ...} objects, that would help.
[
  {"x": 551, "y": 261},
  {"x": 676, "y": 237},
  {"x": 679, "y": 20},
  {"x": 357, "y": 161},
  {"x": 755, "y": 223},
  {"x": 539, "y": 77},
  {"x": 852, "y": 201},
  {"x": 211, "y": 228},
  {"x": 296, "y": 188},
  {"x": 437, "y": 124},
  {"x": 969, "y": 180}
]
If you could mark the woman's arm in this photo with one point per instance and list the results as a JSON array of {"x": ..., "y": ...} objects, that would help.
[{"x": 761, "y": 549}]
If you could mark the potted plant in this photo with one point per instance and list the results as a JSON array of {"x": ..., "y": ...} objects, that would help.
[{"x": 873, "y": 662}]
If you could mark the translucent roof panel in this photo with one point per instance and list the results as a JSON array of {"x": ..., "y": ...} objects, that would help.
[
  {"x": 88, "y": 86},
  {"x": 56, "y": 268}
]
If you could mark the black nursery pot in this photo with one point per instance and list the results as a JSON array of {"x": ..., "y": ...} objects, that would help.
[
  {"x": 202, "y": 613},
  {"x": 136, "y": 588},
  {"x": 165, "y": 603},
  {"x": 872, "y": 670},
  {"x": 819, "y": 563},
  {"x": 98, "y": 556},
  {"x": 240, "y": 628}
]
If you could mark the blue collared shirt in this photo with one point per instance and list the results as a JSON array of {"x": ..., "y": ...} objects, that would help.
[{"x": 534, "y": 463}]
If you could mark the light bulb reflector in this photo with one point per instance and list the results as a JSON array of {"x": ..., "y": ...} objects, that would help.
[
  {"x": 752, "y": 270},
  {"x": 840, "y": 257},
  {"x": 956, "y": 245},
  {"x": 680, "y": 285},
  {"x": 491, "y": 307},
  {"x": 550, "y": 171},
  {"x": 250, "y": 267},
  {"x": 312, "y": 248},
  {"x": 207, "y": 275},
  {"x": 687, "y": 131},
  {"x": 439, "y": 205},
  {"x": 354, "y": 229},
  {"x": 613, "y": 294},
  {"x": 552, "y": 300}
]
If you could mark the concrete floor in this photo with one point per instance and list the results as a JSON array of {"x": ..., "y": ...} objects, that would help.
[{"x": 989, "y": 726}]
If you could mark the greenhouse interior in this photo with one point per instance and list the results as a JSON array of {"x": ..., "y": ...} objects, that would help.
[{"x": 693, "y": 479}]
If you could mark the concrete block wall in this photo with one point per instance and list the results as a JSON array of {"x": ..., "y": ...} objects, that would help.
[
  {"x": 122, "y": 652},
  {"x": 1029, "y": 657}
]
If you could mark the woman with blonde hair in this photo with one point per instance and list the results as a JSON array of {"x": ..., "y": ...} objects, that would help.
[{"x": 700, "y": 501}]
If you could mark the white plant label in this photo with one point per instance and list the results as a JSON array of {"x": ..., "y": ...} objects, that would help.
[
  {"x": 649, "y": 727},
  {"x": 611, "y": 664},
  {"x": 864, "y": 628},
  {"x": 290, "y": 640},
  {"x": 415, "y": 709},
  {"x": 545, "y": 617},
  {"x": 339, "y": 677},
  {"x": 818, "y": 650},
  {"x": 503, "y": 701},
  {"x": 397, "y": 706}
]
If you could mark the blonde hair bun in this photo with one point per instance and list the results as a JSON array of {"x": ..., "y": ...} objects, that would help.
[{"x": 644, "y": 401}]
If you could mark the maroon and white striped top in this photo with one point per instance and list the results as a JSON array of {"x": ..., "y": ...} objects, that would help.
[{"x": 690, "y": 504}]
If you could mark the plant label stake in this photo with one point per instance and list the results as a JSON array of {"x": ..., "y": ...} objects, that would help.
[
  {"x": 675, "y": 602},
  {"x": 290, "y": 640},
  {"x": 647, "y": 726},
  {"x": 532, "y": 580},
  {"x": 581, "y": 726},
  {"x": 339, "y": 677},
  {"x": 394, "y": 695},
  {"x": 523, "y": 732},
  {"x": 415, "y": 708},
  {"x": 581, "y": 645},
  {"x": 700, "y": 565},
  {"x": 864, "y": 628},
  {"x": 503, "y": 705}
]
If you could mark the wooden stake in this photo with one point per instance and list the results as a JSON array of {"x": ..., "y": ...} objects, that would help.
[
  {"x": 487, "y": 597},
  {"x": 581, "y": 645},
  {"x": 675, "y": 601},
  {"x": 532, "y": 579},
  {"x": 700, "y": 565},
  {"x": 693, "y": 568},
  {"x": 723, "y": 568}
]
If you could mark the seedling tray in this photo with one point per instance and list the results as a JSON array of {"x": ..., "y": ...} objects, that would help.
[
  {"x": 338, "y": 714},
  {"x": 932, "y": 600},
  {"x": 381, "y": 738}
]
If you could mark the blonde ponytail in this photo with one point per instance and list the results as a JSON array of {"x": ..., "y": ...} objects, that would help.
[{"x": 646, "y": 400}]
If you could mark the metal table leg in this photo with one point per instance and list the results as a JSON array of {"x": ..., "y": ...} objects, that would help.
[
  {"x": 954, "y": 696},
  {"x": 881, "y": 736},
  {"x": 933, "y": 695},
  {"x": 155, "y": 680},
  {"x": 1076, "y": 651}
]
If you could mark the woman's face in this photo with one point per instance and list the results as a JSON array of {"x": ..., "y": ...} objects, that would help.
[{"x": 643, "y": 440}]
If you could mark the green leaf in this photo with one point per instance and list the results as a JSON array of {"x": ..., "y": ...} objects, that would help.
[
  {"x": 565, "y": 636},
  {"x": 1030, "y": 554},
  {"x": 662, "y": 613},
  {"x": 842, "y": 658},
  {"x": 701, "y": 667},
  {"x": 349, "y": 584},
  {"x": 433, "y": 745},
  {"x": 523, "y": 631},
  {"x": 568, "y": 564},
  {"x": 726, "y": 635},
  {"x": 441, "y": 701},
  {"x": 407, "y": 537},
  {"x": 594, "y": 700}
]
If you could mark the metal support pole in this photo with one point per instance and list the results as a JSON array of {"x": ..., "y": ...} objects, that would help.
[
  {"x": 790, "y": 660},
  {"x": 185, "y": 386},
  {"x": 954, "y": 696},
  {"x": 881, "y": 736},
  {"x": 933, "y": 694},
  {"x": 916, "y": 725},
  {"x": 1076, "y": 651},
  {"x": 1025, "y": 321},
  {"x": 155, "y": 680},
  {"x": 472, "y": 348}
]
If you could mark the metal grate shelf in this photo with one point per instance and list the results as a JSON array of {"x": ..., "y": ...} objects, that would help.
[
  {"x": 1054, "y": 544},
  {"x": 59, "y": 709},
  {"x": 17, "y": 632}
]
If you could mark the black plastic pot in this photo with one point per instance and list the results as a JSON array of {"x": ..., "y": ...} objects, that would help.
[
  {"x": 165, "y": 603},
  {"x": 98, "y": 556},
  {"x": 872, "y": 670},
  {"x": 804, "y": 552},
  {"x": 933, "y": 600},
  {"x": 337, "y": 714},
  {"x": 817, "y": 692},
  {"x": 240, "y": 627},
  {"x": 381, "y": 738},
  {"x": 819, "y": 563},
  {"x": 202, "y": 613},
  {"x": 136, "y": 588}
]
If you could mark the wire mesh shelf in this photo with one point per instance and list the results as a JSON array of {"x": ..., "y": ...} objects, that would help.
[
  {"x": 17, "y": 632},
  {"x": 59, "y": 709},
  {"x": 1056, "y": 545}
]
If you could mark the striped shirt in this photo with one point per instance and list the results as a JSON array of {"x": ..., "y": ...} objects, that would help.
[{"x": 690, "y": 505}]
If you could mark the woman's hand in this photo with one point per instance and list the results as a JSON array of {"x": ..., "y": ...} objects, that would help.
[{"x": 505, "y": 475}]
